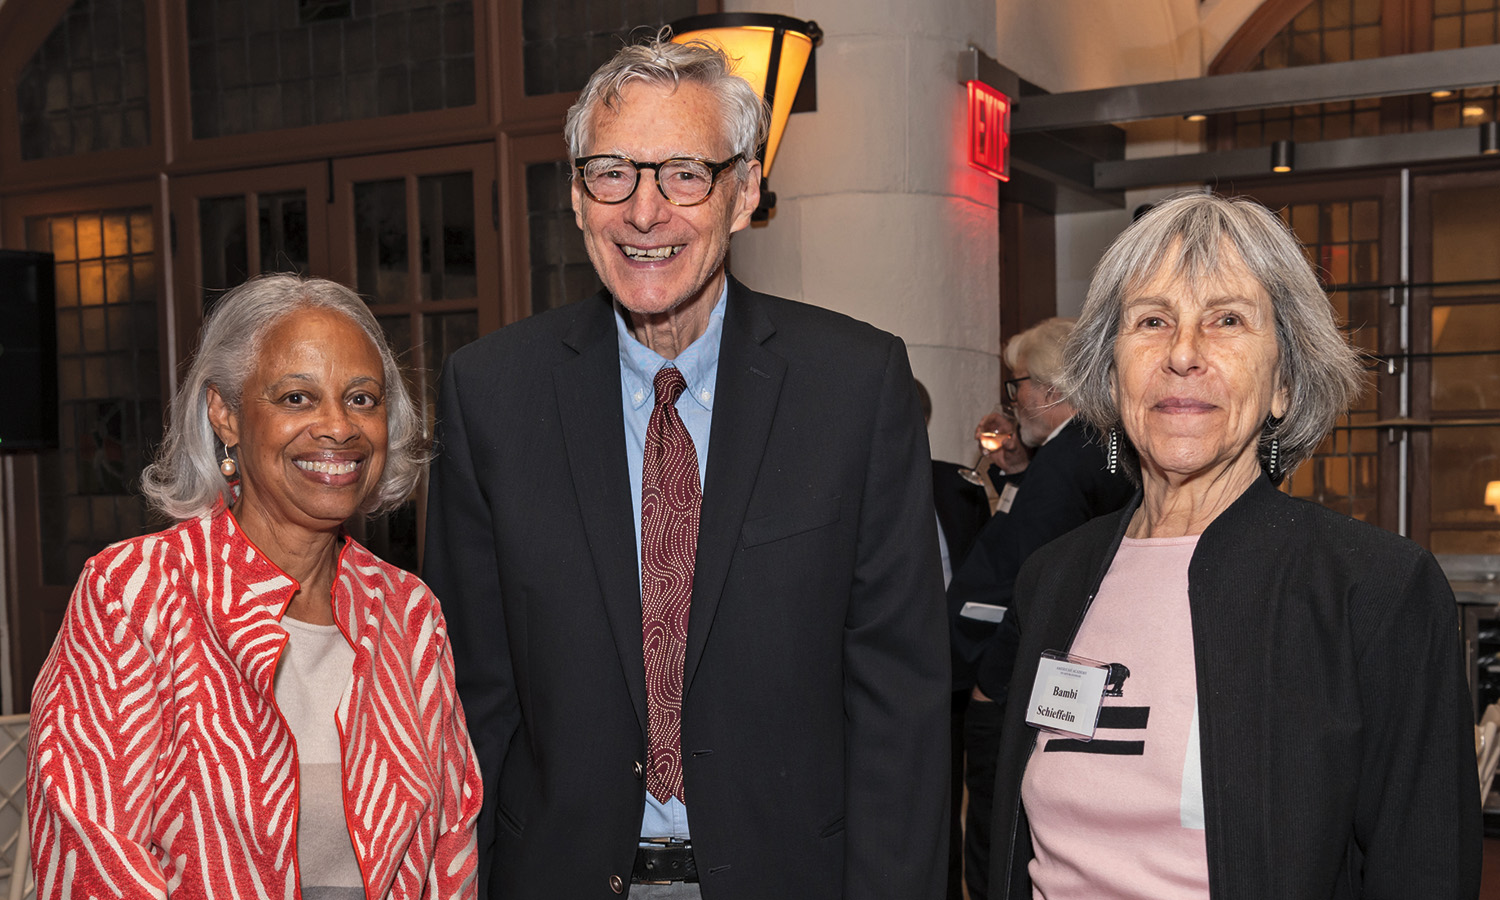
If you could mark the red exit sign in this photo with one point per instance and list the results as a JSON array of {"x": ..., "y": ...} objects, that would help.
[{"x": 989, "y": 130}]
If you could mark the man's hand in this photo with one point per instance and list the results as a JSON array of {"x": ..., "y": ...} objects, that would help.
[{"x": 1009, "y": 454}]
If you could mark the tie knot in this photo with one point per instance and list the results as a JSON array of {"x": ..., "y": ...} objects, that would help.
[{"x": 669, "y": 385}]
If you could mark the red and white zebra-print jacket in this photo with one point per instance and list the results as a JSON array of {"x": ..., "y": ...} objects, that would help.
[{"x": 159, "y": 764}]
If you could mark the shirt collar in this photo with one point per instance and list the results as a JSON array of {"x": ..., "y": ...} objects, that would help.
[
  {"x": 1058, "y": 430},
  {"x": 698, "y": 363}
]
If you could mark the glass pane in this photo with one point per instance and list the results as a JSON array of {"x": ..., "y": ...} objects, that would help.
[
  {"x": 447, "y": 236},
  {"x": 560, "y": 268},
  {"x": 380, "y": 231},
  {"x": 265, "y": 66},
  {"x": 283, "y": 232},
  {"x": 83, "y": 90},
  {"x": 1466, "y": 383},
  {"x": 566, "y": 40},
  {"x": 398, "y": 334},
  {"x": 1463, "y": 463},
  {"x": 441, "y": 335},
  {"x": 222, "y": 245},
  {"x": 1465, "y": 238},
  {"x": 109, "y": 385}
]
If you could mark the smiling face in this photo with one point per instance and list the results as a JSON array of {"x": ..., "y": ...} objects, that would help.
[
  {"x": 653, "y": 257},
  {"x": 1196, "y": 373},
  {"x": 310, "y": 433}
]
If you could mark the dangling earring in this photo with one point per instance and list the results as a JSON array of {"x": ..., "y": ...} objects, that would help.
[
  {"x": 1114, "y": 450},
  {"x": 1273, "y": 451},
  {"x": 227, "y": 466}
]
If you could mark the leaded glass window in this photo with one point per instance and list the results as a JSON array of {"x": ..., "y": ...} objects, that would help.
[
  {"x": 109, "y": 383},
  {"x": 1326, "y": 31},
  {"x": 564, "y": 41},
  {"x": 260, "y": 66},
  {"x": 85, "y": 88},
  {"x": 560, "y": 268}
]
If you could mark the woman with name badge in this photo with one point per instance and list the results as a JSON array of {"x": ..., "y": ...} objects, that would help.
[{"x": 1221, "y": 691}]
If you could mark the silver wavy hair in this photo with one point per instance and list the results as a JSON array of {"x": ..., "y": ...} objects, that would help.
[
  {"x": 658, "y": 61},
  {"x": 1039, "y": 350},
  {"x": 184, "y": 481},
  {"x": 1195, "y": 236}
]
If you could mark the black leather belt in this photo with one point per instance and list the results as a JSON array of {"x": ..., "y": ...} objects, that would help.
[{"x": 662, "y": 863}]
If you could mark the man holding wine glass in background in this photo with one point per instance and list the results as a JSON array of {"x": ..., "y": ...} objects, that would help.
[
  {"x": 1000, "y": 444},
  {"x": 1066, "y": 483}
]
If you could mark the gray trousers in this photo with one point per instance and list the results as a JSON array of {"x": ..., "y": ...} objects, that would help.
[{"x": 677, "y": 890}]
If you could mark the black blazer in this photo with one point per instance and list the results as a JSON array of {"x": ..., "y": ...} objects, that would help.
[
  {"x": 815, "y": 711},
  {"x": 1335, "y": 728},
  {"x": 962, "y": 509},
  {"x": 1067, "y": 483}
]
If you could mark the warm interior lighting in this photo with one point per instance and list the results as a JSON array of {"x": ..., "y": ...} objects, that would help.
[
  {"x": 1472, "y": 111},
  {"x": 1281, "y": 156},
  {"x": 1196, "y": 117},
  {"x": 754, "y": 41},
  {"x": 1492, "y": 495},
  {"x": 1441, "y": 95}
]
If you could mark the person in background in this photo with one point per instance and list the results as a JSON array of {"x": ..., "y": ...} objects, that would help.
[
  {"x": 1007, "y": 455},
  {"x": 1280, "y": 696},
  {"x": 685, "y": 533},
  {"x": 250, "y": 703},
  {"x": 1066, "y": 484}
]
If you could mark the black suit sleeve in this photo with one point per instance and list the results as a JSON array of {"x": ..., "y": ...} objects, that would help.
[
  {"x": 462, "y": 570},
  {"x": 896, "y": 701}
]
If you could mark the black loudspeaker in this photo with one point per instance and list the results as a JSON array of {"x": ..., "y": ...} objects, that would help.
[{"x": 28, "y": 352}]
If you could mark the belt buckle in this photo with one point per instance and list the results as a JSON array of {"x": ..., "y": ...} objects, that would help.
[{"x": 662, "y": 843}]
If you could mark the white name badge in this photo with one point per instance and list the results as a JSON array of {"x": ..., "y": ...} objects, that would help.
[
  {"x": 1066, "y": 695},
  {"x": 1007, "y": 497}
]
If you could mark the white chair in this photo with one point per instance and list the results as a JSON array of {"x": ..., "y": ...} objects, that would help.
[{"x": 15, "y": 840}]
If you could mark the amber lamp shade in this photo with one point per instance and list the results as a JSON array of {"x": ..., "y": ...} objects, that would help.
[
  {"x": 1492, "y": 495},
  {"x": 770, "y": 52}
]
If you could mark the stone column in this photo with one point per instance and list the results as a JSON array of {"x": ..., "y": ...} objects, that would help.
[{"x": 878, "y": 215}]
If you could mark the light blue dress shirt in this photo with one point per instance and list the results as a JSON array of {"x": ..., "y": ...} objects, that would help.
[{"x": 699, "y": 364}]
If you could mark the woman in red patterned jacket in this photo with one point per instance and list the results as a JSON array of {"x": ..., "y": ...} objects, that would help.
[{"x": 251, "y": 704}]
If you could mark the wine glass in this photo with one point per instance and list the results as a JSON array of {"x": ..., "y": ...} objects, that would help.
[{"x": 990, "y": 440}]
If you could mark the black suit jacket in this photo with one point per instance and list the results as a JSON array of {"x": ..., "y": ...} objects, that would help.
[
  {"x": 1334, "y": 724},
  {"x": 816, "y": 705},
  {"x": 1066, "y": 484},
  {"x": 962, "y": 509}
]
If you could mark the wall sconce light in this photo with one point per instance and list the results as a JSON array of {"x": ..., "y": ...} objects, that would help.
[
  {"x": 1281, "y": 156},
  {"x": 1492, "y": 495},
  {"x": 1489, "y": 138},
  {"x": 1196, "y": 117},
  {"x": 771, "y": 52}
]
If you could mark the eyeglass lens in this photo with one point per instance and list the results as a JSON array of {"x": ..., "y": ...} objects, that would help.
[{"x": 683, "y": 181}]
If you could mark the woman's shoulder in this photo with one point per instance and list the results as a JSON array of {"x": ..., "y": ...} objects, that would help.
[
  {"x": 397, "y": 587},
  {"x": 1295, "y": 521},
  {"x": 172, "y": 547}
]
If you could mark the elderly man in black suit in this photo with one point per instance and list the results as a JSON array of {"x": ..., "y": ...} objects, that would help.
[
  {"x": 1066, "y": 484},
  {"x": 683, "y": 535}
]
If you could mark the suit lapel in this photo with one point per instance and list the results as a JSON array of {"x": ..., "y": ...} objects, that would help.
[
  {"x": 748, "y": 385},
  {"x": 593, "y": 428}
]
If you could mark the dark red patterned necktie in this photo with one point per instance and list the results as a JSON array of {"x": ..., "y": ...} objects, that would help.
[{"x": 670, "y": 500}]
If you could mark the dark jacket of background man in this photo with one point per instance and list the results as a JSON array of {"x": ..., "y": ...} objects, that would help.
[{"x": 1066, "y": 485}]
